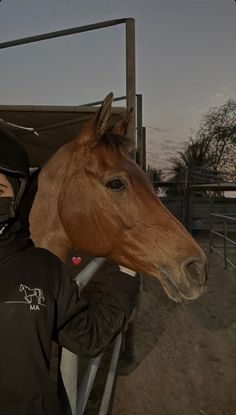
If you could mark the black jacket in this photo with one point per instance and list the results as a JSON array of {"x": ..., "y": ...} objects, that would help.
[{"x": 39, "y": 303}]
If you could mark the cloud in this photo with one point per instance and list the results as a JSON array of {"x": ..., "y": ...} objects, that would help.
[
  {"x": 202, "y": 110},
  {"x": 217, "y": 95},
  {"x": 225, "y": 88},
  {"x": 159, "y": 130}
]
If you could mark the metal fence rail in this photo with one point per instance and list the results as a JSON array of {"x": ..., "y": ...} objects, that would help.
[
  {"x": 129, "y": 24},
  {"x": 228, "y": 243},
  {"x": 82, "y": 393}
]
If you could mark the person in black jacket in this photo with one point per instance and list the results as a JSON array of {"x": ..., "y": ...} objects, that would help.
[{"x": 40, "y": 304}]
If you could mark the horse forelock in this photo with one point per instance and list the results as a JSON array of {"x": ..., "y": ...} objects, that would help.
[{"x": 115, "y": 142}]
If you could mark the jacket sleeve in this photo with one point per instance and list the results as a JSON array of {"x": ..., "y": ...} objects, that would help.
[{"x": 89, "y": 327}]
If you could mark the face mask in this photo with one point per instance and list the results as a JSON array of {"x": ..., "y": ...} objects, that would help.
[{"x": 7, "y": 210}]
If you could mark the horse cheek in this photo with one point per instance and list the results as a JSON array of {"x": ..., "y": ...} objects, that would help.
[{"x": 82, "y": 225}]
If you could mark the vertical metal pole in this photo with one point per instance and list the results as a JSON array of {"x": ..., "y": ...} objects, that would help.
[
  {"x": 130, "y": 73},
  {"x": 184, "y": 192},
  {"x": 69, "y": 370},
  {"x": 211, "y": 223},
  {"x": 111, "y": 377},
  {"x": 225, "y": 248},
  {"x": 187, "y": 193},
  {"x": 87, "y": 384},
  {"x": 144, "y": 148},
  {"x": 211, "y": 220},
  {"x": 139, "y": 155},
  {"x": 151, "y": 175},
  {"x": 69, "y": 361},
  {"x": 190, "y": 206}
]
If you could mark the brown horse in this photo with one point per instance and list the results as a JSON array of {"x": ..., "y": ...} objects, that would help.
[{"x": 94, "y": 197}]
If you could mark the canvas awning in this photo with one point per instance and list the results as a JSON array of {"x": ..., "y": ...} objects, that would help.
[{"x": 56, "y": 126}]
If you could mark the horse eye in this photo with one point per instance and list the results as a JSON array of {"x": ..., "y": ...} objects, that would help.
[{"x": 116, "y": 185}]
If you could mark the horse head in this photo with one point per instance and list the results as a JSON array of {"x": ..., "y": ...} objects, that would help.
[{"x": 107, "y": 207}]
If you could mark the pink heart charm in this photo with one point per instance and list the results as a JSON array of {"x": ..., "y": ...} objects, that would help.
[{"x": 76, "y": 260}]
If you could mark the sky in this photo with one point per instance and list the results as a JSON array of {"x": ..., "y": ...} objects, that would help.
[{"x": 185, "y": 60}]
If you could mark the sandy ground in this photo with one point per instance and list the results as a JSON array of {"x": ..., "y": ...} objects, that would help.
[{"x": 185, "y": 355}]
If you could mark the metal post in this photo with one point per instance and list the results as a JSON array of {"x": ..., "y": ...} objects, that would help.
[
  {"x": 88, "y": 272},
  {"x": 211, "y": 223},
  {"x": 184, "y": 196},
  {"x": 130, "y": 73},
  {"x": 87, "y": 384},
  {"x": 69, "y": 361},
  {"x": 144, "y": 166},
  {"x": 225, "y": 247},
  {"x": 69, "y": 371},
  {"x": 139, "y": 155},
  {"x": 187, "y": 193},
  {"x": 211, "y": 235},
  {"x": 111, "y": 376}
]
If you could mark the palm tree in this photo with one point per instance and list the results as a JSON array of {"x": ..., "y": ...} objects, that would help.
[{"x": 155, "y": 176}]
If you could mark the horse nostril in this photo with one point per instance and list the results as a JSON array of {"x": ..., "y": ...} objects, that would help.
[{"x": 196, "y": 269}]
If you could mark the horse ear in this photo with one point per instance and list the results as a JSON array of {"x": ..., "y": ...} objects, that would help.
[
  {"x": 122, "y": 124},
  {"x": 96, "y": 126},
  {"x": 103, "y": 115}
]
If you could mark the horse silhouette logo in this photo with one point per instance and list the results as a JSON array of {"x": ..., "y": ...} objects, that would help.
[
  {"x": 34, "y": 297},
  {"x": 30, "y": 293}
]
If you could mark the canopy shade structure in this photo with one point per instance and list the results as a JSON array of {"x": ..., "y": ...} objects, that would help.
[{"x": 55, "y": 126}]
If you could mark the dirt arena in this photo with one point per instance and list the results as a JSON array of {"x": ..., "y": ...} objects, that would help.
[{"x": 185, "y": 355}]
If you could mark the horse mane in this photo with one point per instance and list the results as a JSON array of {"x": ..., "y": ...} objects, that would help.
[{"x": 118, "y": 143}]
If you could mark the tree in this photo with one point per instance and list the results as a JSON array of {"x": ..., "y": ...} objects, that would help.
[
  {"x": 213, "y": 148},
  {"x": 217, "y": 133},
  {"x": 155, "y": 176}
]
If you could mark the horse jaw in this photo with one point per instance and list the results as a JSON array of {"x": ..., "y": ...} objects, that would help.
[{"x": 183, "y": 275}]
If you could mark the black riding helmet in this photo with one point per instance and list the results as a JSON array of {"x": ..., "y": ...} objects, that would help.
[{"x": 14, "y": 161}]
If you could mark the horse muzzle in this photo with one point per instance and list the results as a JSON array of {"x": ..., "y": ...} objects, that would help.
[{"x": 187, "y": 284}]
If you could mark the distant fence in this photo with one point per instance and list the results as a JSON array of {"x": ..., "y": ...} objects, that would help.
[
  {"x": 200, "y": 209},
  {"x": 228, "y": 245}
]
